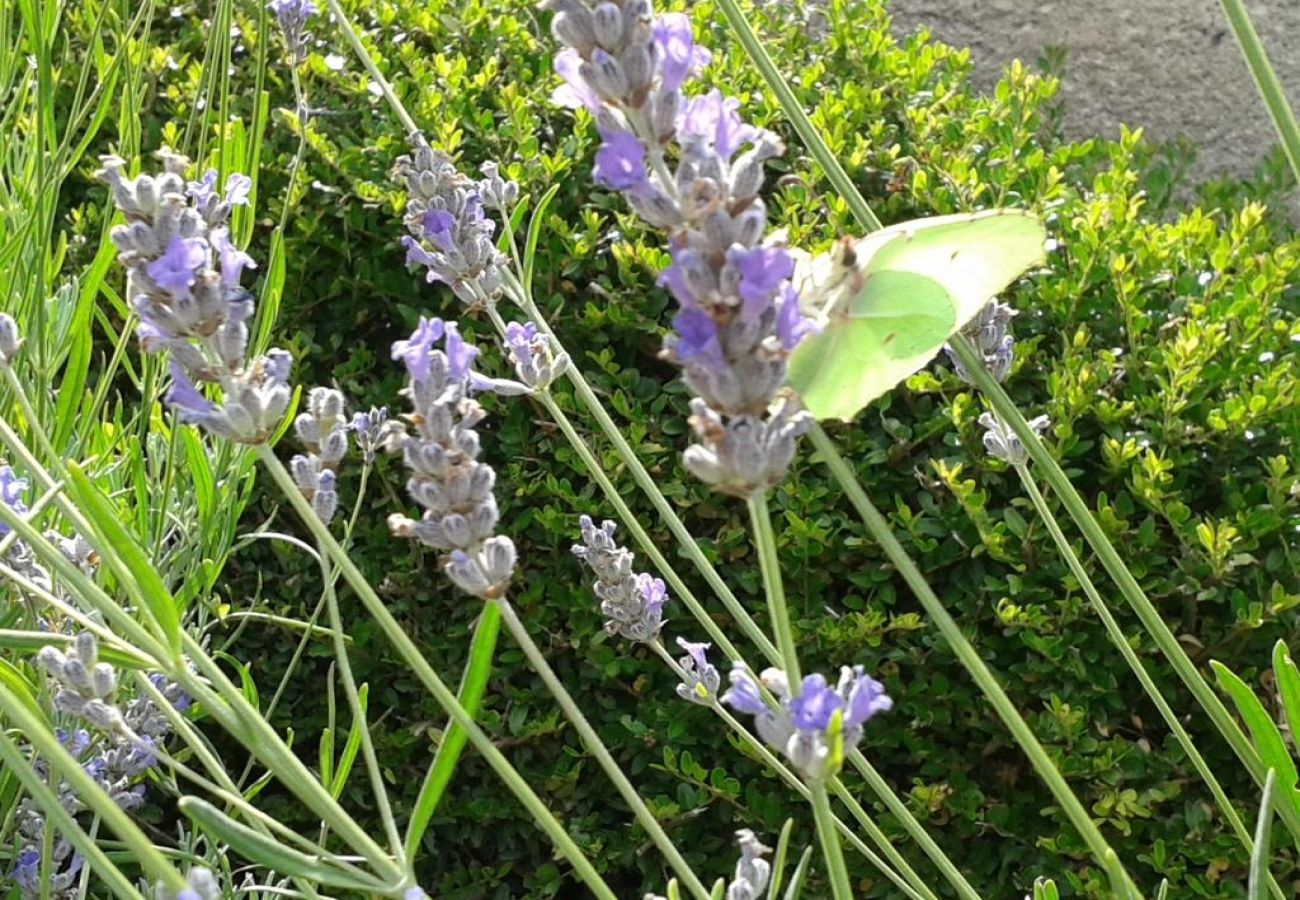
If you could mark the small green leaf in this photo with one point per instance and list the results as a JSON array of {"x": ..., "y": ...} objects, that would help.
[
  {"x": 800, "y": 873},
  {"x": 352, "y": 746}
]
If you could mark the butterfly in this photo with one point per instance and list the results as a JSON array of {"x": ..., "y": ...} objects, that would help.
[{"x": 888, "y": 302}]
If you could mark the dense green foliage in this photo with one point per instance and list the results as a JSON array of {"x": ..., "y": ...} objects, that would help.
[{"x": 1163, "y": 344}]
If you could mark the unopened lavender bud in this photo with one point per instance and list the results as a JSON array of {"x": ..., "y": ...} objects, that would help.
[
  {"x": 104, "y": 680},
  {"x": 326, "y": 404},
  {"x": 608, "y": 24},
  {"x": 307, "y": 429},
  {"x": 325, "y": 503},
  {"x": 51, "y": 660},
  {"x": 466, "y": 574},
  {"x": 87, "y": 648},
  {"x": 606, "y": 76},
  {"x": 638, "y": 65},
  {"x": 102, "y": 715},
  {"x": 305, "y": 471},
  {"x": 497, "y": 191},
  {"x": 334, "y": 447},
  {"x": 499, "y": 558},
  {"x": 10, "y": 339},
  {"x": 574, "y": 25},
  {"x": 70, "y": 702},
  {"x": 75, "y": 673}
]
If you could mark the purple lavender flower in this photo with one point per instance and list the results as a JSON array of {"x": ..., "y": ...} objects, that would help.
[
  {"x": 815, "y": 727},
  {"x": 536, "y": 363},
  {"x": 631, "y": 602},
  {"x": 292, "y": 16},
  {"x": 739, "y": 317},
  {"x": 447, "y": 478},
  {"x": 700, "y": 678}
]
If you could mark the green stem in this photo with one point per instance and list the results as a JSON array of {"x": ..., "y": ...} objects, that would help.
[
  {"x": 58, "y": 817},
  {"x": 382, "y": 806},
  {"x": 838, "y": 873},
  {"x": 1266, "y": 80},
  {"x": 1126, "y": 650},
  {"x": 1110, "y": 559},
  {"x": 765, "y": 545},
  {"x": 794, "y": 111},
  {"x": 472, "y": 687},
  {"x": 42, "y": 738},
  {"x": 597, "y": 748},
  {"x": 411, "y": 655},
  {"x": 966, "y": 653}
]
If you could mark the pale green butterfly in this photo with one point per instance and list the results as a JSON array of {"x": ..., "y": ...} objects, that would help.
[{"x": 888, "y": 302}]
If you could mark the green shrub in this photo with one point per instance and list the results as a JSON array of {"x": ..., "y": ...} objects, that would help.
[{"x": 1162, "y": 343}]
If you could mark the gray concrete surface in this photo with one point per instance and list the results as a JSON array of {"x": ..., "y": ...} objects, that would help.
[{"x": 1170, "y": 66}]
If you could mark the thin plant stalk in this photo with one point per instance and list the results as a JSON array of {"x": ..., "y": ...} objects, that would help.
[
  {"x": 841, "y": 889},
  {"x": 770, "y": 565},
  {"x": 597, "y": 748},
  {"x": 879, "y": 529},
  {"x": 1266, "y": 80},
  {"x": 382, "y": 806},
  {"x": 1126, "y": 650},
  {"x": 411, "y": 655},
  {"x": 1110, "y": 559}
]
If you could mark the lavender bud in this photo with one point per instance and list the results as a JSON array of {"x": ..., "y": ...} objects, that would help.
[
  {"x": 10, "y": 339},
  {"x": 608, "y": 24},
  {"x": 466, "y": 574},
  {"x": 87, "y": 648},
  {"x": 104, "y": 680}
]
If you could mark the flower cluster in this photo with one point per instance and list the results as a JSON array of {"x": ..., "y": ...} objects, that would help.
[
  {"x": 372, "y": 430},
  {"x": 632, "y": 602},
  {"x": 117, "y": 755},
  {"x": 449, "y": 232},
  {"x": 323, "y": 430},
  {"x": 447, "y": 477},
  {"x": 536, "y": 364},
  {"x": 738, "y": 316},
  {"x": 990, "y": 332},
  {"x": 183, "y": 274},
  {"x": 700, "y": 678},
  {"x": 292, "y": 16},
  {"x": 1003, "y": 443},
  {"x": 815, "y": 727}
]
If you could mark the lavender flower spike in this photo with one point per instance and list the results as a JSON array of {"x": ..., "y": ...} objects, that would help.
[
  {"x": 631, "y": 602},
  {"x": 990, "y": 331},
  {"x": 815, "y": 729},
  {"x": 449, "y": 234},
  {"x": 447, "y": 478},
  {"x": 738, "y": 316},
  {"x": 183, "y": 275}
]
